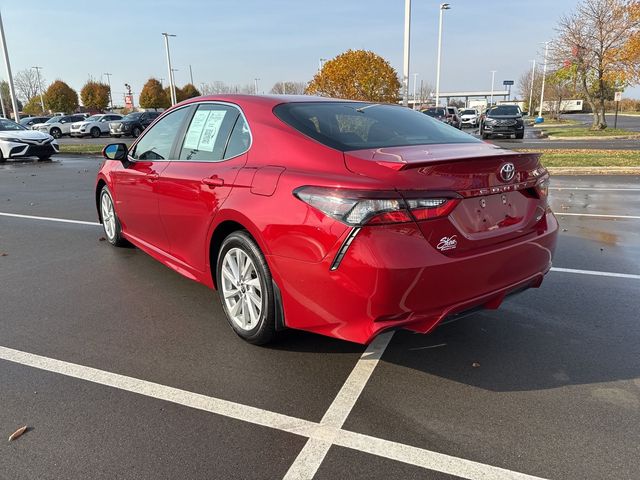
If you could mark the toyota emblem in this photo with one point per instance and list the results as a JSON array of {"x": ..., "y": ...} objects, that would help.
[{"x": 507, "y": 172}]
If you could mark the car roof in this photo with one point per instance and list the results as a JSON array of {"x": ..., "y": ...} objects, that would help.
[{"x": 266, "y": 100}]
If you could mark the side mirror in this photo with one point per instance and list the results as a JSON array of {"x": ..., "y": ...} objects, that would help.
[{"x": 115, "y": 151}]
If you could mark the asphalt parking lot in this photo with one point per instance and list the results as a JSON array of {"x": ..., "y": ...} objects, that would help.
[{"x": 122, "y": 368}]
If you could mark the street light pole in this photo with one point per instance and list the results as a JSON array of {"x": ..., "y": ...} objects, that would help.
[
  {"x": 172, "y": 87},
  {"x": 37, "y": 69},
  {"x": 191, "y": 74},
  {"x": 544, "y": 75},
  {"x": 405, "y": 63},
  {"x": 493, "y": 79},
  {"x": 255, "y": 84},
  {"x": 12, "y": 92},
  {"x": 108, "y": 75},
  {"x": 533, "y": 77},
  {"x": 415, "y": 81},
  {"x": 321, "y": 63},
  {"x": 443, "y": 7}
]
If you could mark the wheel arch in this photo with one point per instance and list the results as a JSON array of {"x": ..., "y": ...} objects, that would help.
[{"x": 99, "y": 185}]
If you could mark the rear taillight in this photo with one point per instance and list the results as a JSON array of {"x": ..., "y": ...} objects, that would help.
[
  {"x": 542, "y": 187},
  {"x": 361, "y": 207}
]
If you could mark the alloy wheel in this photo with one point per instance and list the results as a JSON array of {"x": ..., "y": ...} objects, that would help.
[
  {"x": 108, "y": 216},
  {"x": 241, "y": 289}
]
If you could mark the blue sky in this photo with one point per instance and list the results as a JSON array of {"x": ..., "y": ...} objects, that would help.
[{"x": 236, "y": 41}]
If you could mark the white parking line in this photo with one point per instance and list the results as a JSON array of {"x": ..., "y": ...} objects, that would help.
[
  {"x": 595, "y": 215},
  {"x": 601, "y": 189},
  {"x": 320, "y": 434},
  {"x": 48, "y": 219},
  {"x": 596, "y": 272},
  {"x": 309, "y": 459}
]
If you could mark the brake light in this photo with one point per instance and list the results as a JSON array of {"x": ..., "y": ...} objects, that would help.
[
  {"x": 362, "y": 207},
  {"x": 542, "y": 187},
  {"x": 428, "y": 208}
]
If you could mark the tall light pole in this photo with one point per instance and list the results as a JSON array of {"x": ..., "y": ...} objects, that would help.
[
  {"x": 493, "y": 79},
  {"x": 405, "y": 62},
  {"x": 37, "y": 69},
  {"x": 415, "y": 81},
  {"x": 12, "y": 92},
  {"x": 533, "y": 77},
  {"x": 108, "y": 75},
  {"x": 544, "y": 74},
  {"x": 255, "y": 85},
  {"x": 172, "y": 86},
  {"x": 321, "y": 63},
  {"x": 443, "y": 7}
]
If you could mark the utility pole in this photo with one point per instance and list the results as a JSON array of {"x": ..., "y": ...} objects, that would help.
[
  {"x": 108, "y": 75},
  {"x": 443, "y": 7},
  {"x": 405, "y": 62},
  {"x": 533, "y": 77},
  {"x": 191, "y": 74},
  {"x": 493, "y": 79},
  {"x": 12, "y": 92},
  {"x": 172, "y": 86},
  {"x": 37, "y": 69},
  {"x": 544, "y": 75},
  {"x": 255, "y": 84}
]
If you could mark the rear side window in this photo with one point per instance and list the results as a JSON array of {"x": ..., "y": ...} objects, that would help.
[
  {"x": 208, "y": 133},
  {"x": 353, "y": 126},
  {"x": 239, "y": 140}
]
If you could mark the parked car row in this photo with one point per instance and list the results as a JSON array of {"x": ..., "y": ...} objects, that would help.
[
  {"x": 500, "y": 120},
  {"x": 82, "y": 125}
]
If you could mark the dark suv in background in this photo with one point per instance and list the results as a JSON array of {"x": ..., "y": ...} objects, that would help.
[
  {"x": 133, "y": 124},
  {"x": 502, "y": 120}
]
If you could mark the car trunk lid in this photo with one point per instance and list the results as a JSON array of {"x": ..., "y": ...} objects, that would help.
[{"x": 494, "y": 204}]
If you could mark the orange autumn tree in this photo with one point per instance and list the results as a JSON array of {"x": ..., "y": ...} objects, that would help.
[{"x": 357, "y": 75}]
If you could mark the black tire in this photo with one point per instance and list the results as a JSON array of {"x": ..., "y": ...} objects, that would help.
[
  {"x": 56, "y": 132},
  {"x": 95, "y": 132},
  {"x": 520, "y": 135},
  {"x": 265, "y": 328},
  {"x": 2, "y": 159},
  {"x": 117, "y": 240},
  {"x": 136, "y": 132}
]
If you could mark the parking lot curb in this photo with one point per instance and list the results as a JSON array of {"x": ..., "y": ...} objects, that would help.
[{"x": 594, "y": 170}]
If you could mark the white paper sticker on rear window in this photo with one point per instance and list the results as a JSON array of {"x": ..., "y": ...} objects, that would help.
[{"x": 203, "y": 131}]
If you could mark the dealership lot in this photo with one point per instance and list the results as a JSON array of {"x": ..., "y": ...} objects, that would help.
[{"x": 124, "y": 369}]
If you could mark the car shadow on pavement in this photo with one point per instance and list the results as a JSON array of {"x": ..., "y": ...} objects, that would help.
[{"x": 524, "y": 346}]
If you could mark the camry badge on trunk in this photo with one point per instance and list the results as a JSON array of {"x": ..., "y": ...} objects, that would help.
[{"x": 507, "y": 172}]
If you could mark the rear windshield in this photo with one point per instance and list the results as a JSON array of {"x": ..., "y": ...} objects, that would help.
[
  {"x": 504, "y": 110},
  {"x": 354, "y": 126}
]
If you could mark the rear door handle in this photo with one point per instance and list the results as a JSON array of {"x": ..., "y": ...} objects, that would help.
[{"x": 213, "y": 182}]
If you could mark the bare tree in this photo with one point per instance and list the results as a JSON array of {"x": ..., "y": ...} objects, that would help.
[
  {"x": 26, "y": 83},
  {"x": 592, "y": 40},
  {"x": 524, "y": 89},
  {"x": 288, "y": 88},
  {"x": 425, "y": 92}
]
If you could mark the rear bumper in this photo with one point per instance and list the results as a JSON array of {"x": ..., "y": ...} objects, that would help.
[{"x": 392, "y": 278}]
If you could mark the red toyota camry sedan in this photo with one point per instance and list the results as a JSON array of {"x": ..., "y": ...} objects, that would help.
[{"x": 337, "y": 217}]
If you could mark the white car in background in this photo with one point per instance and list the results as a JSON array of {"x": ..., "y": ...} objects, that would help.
[
  {"x": 95, "y": 125},
  {"x": 470, "y": 117},
  {"x": 17, "y": 141},
  {"x": 59, "y": 125}
]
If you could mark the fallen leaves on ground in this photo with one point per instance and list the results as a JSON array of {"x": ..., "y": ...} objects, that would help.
[
  {"x": 475, "y": 364},
  {"x": 18, "y": 433}
]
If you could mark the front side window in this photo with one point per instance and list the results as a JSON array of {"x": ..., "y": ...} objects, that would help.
[
  {"x": 208, "y": 133},
  {"x": 157, "y": 142}
]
